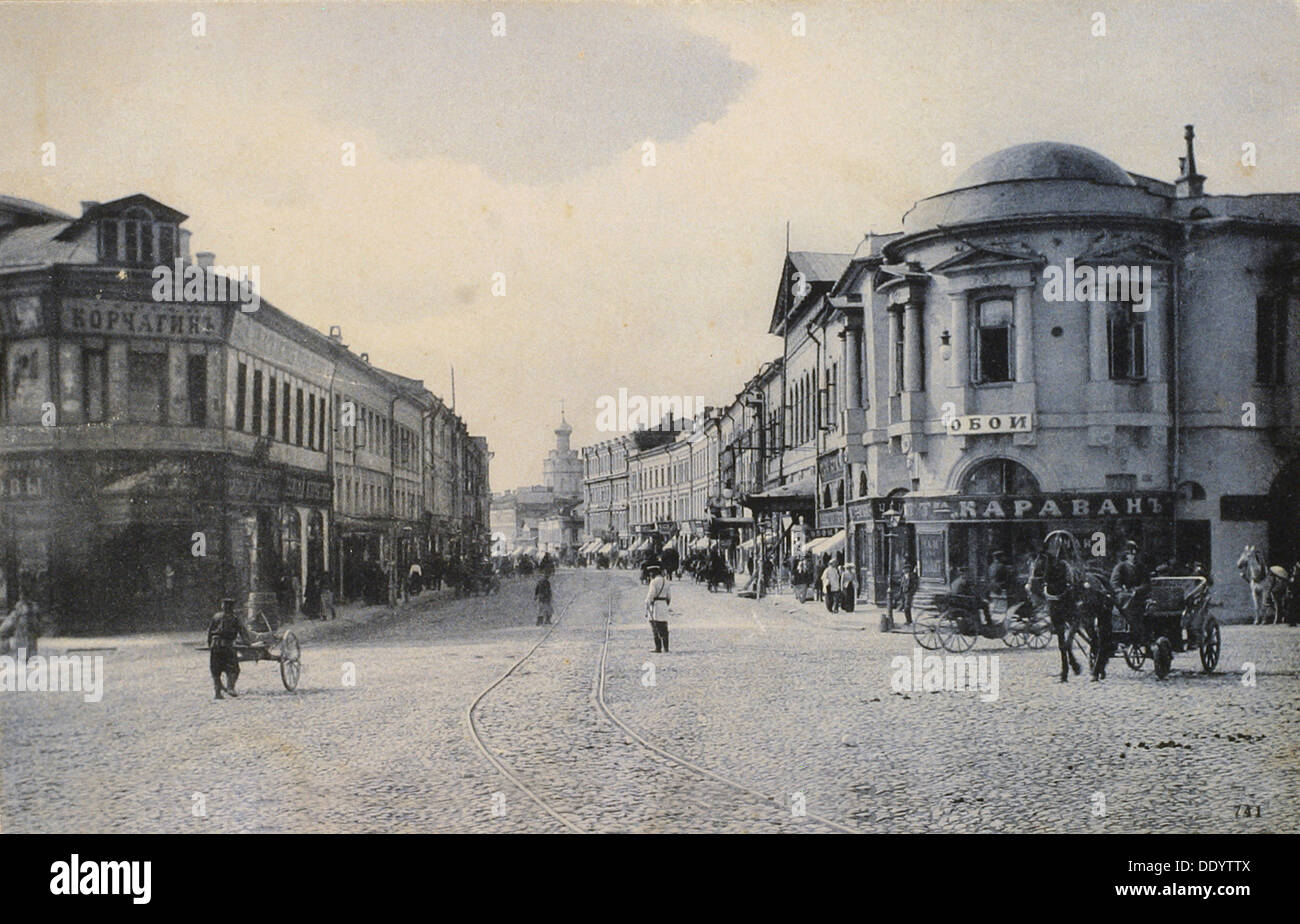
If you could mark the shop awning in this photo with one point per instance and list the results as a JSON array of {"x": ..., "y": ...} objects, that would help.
[
  {"x": 606, "y": 548},
  {"x": 827, "y": 545},
  {"x": 797, "y": 496},
  {"x": 701, "y": 544}
]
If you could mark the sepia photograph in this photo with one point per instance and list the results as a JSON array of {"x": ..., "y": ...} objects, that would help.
[{"x": 864, "y": 417}]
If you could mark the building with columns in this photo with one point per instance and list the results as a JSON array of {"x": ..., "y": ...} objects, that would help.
[{"x": 999, "y": 406}]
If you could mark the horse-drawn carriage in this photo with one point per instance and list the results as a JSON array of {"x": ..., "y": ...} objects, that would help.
[
  {"x": 1174, "y": 618},
  {"x": 955, "y": 624}
]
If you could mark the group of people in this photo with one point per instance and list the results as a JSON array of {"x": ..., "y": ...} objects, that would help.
[
  {"x": 20, "y": 630},
  {"x": 832, "y": 581}
]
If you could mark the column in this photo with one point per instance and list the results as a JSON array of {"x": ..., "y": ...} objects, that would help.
[
  {"x": 853, "y": 367},
  {"x": 912, "y": 380},
  {"x": 895, "y": 327},
  {"x": 1155, "y": 333},
  {"x": 303, "y": 514},
  {"x": 1098, "y": 348},
  {"x": 1024, "y": 323},
  {"x": 958, "y": 332}
]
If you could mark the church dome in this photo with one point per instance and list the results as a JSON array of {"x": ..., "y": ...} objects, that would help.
[{"x": 1044, "y": 160}]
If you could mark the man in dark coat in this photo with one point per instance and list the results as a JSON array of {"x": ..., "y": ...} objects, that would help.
[
  {"x": 669, "y": 561},
  {"x": 225, "y": 629}
]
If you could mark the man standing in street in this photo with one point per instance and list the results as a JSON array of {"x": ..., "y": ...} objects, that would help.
[
  {"x": 542, "y": 594},
  {"x": 225, "y": 629},
  {"x": 657, "y": 599},
  {"x": 831, "y": 585},
  {"x": 670, "y": 561}
]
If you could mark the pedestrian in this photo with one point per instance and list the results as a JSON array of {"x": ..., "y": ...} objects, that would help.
[
  {"x": 414, "y": 580},
  {"x": 848, "y": 587},
  {"x": 657, "y": 600},
  {"x": 910, "y": 584},
  {"x": 818, "y": 570},
  {"x": 670, "y": 561},
  {"x": 831, "y": 585},
  {"x": 21, "y": 629},
  {"x": 225, "y": 629},
  {"x": 327, "y": 600},
  {"x": 542, "y": 594}
]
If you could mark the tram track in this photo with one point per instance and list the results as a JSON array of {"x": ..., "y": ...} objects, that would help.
[
  {"x": 769, "y": 801},
  {"x": 713, "y": 803}
]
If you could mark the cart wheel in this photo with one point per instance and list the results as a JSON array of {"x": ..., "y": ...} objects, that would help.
[
  {"x": 925, "y": 629},
  {"x": 1162, "y": 657},
  {"x": 951, "y": 632},
  {"x": 290, "y": 661},
  {"x": 1135, "y": 655},
  {"x": 1210, "y": 645},
  {"x": 1039, "y": 634}
]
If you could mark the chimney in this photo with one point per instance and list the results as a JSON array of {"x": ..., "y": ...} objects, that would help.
[
  {"x": 205, "y": 258},
  {"x": 1190, "y": 184},
  {"x": 336, "y": 333},
  {"x": 365, "y": 357},
  {"x": 87, "y": 205}
]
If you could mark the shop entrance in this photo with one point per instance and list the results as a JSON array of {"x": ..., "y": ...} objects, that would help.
[{"x": 1284, "y": 517}]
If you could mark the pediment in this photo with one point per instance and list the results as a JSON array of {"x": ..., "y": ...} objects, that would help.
[
  {"x": 1123, "y": 251},
  {"x": 983, "y": 257}
]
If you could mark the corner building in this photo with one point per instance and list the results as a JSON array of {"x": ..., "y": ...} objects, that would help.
[{"x": 996, "y": 413}]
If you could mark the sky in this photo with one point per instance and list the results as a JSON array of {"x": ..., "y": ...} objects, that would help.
[{"x": 524, "y": 154}]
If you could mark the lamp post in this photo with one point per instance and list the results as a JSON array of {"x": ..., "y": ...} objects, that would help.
[{"x": 893, "y": 516}]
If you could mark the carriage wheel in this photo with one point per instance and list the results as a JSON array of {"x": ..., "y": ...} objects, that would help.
[
  {"x": 1135, "y": 655},
  {"x": 1038, "y": 635},
  {"x": 951, "y": 632},
  {"x": 1210, "y": 645},
  {"x": 290, "y": 661},
  {"x": 925, "y": 629},
  {"x": 1162, "y": 657}
]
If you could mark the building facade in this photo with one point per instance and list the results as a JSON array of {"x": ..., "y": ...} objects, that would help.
[{"x": 163, "y": 448}]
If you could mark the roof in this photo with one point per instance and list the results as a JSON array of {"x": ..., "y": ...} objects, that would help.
[
  {"x": 28, "y": 208},
  {"x": 41, "y": 246},
  {"x": 1045, "y": 160},
  {"x": 818, "y": 274}
]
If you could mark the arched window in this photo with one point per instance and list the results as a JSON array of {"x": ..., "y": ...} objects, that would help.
[{"x": 999, "y": 476}]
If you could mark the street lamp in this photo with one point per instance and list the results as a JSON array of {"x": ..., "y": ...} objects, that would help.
[{"x": 893, "y": 516}]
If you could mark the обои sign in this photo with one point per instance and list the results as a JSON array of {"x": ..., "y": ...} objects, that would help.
[{"x": 981, "y": 424}]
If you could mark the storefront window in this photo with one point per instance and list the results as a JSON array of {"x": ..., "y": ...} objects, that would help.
[{"x": 94, "y": 380}]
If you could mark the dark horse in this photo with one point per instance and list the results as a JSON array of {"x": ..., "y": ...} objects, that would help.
[{"x": 1058, "y": 576}]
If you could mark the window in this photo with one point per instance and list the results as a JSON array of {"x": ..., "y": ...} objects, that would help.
[
  {"x": 271, "y": 419},
  {"x": 166, "y": 243},
  {"x": 1126, "y": 335},
  {"x": 257, "y": 402},
  {"x": 285, "y": 412},
  {"x": 994, "y": 341},
  {"x": 311, "y": 421},
  {"x": 108, "y": 241},
  {"x": 138, "y": 237},
  {"x": 196, "y": 388},
  {"x": 999, "y": 476},
  {"x": 241, "y": 395},
  {"x": 94, "y": 384},
  {"x": 1270, "y": 339},
  {"x": 297, "y": 431},
  {"x": 146, "y": 387}
]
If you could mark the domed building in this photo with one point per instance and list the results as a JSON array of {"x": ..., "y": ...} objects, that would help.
[{"x": 1059, "y": 343}]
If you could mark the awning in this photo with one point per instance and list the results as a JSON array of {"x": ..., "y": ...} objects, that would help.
[
  {"x": 826, "y": 545},
  {"x": 701, "y": 544},
  {"x": 590, "y": 546},
  {"x": 800, "y": 495},
  {"x": 606, "y": 548},
  {"x": 643, "y": 546}
]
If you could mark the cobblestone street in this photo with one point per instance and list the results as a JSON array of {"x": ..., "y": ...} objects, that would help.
[{"x": 766, "y": 694}]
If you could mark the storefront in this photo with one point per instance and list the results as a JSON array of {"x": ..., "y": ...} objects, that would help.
[{"x": 942, "y": 535}]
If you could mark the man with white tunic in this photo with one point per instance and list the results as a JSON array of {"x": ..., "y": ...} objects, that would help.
[{"x": 657, "y": 599}]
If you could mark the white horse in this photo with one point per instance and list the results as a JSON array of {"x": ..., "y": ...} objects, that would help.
[{"x": 1265, "y": 583}]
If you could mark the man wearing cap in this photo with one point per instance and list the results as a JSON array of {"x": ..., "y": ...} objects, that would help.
[
  {"x": 657, "y": 599},
  {"x": 225, "y": 629}
]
